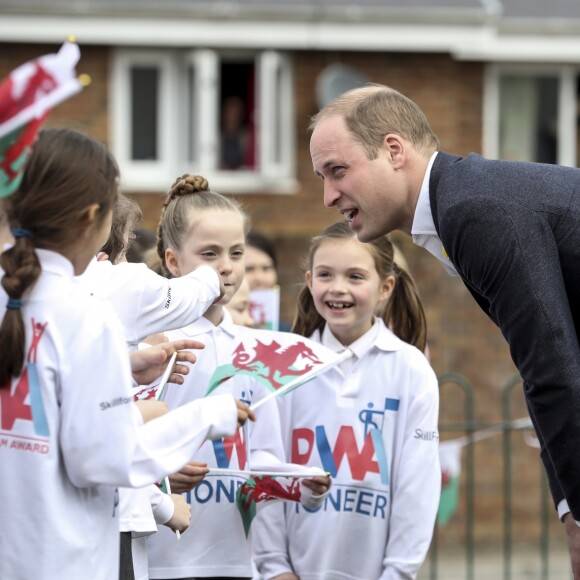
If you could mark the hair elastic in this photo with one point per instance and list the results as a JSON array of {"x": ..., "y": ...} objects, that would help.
[
  {"x": 21, "y": 233},
  {"x": 14, "y": 304}
]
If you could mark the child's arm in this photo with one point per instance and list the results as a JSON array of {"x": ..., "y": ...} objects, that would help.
[
  {"x": 128, "y": 455},
  {"x": 416, "y": 477},
  {"x": 270, "y": 544},
  {"x": 152, "y": 304}
]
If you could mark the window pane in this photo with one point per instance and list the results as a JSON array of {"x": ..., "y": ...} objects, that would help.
[
  {"x": 190, "y": 114},
  {"x": 529, "y": 118},
  {"x": 144, "y": 101},
  {"x": 279, "y": 115},
  {"x": 578, "y": 122},
  {"x": 237, "y": 123}
]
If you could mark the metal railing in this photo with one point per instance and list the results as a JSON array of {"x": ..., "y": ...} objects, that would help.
[{"x": 466, "y": 548}]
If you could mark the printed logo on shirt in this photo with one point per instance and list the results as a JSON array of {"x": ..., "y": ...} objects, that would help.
[
  {"x": 168, "y": 301},
  {"x": 23, "y": 422},
  {"x": 352, "y": 498},
  {"x": 426, "y": 435},
  {"x": 224, "y": 448},
  {"x": 368, "y": 457},
  {"x": 104, "y": 405}
]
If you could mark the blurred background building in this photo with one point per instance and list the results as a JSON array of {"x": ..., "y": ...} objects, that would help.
[{"x": 226, "y": 89}]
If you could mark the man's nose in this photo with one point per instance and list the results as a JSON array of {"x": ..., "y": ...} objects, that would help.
[{"x": 331, "y": 194}]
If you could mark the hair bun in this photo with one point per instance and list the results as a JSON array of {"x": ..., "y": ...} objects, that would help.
[{"x": 188, "y": 184}]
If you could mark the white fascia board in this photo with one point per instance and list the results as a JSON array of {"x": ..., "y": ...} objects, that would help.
[
  {"x": 539, "y": 49},
  {"x": 257, "y": 35},
  {"x": 464, "y": 42}
]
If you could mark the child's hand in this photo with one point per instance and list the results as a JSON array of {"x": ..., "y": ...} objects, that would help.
[
  {"x": 319, "y": 485},
  {"x": 181, "y": 518},
  {"x": 151, "y": 409},
  {"x": 244, "y": 413},
  {"x": 188, "y": 477},
  {"x": 154, "y": 339},
  {"x": 149, "y": 364},
  {"x": 286, "y": 576}
]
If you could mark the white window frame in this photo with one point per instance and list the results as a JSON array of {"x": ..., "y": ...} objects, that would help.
[
  {"x": 274, "y": 85},
  {"x": 567, "y": 114}
]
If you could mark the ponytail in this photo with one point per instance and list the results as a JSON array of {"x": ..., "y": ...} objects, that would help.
[
  {"x": 307, "y": 319},
  {"x": 404, "y": 313}
]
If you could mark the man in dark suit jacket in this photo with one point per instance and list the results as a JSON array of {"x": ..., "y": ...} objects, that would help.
[{"x": 510, "y": 230}]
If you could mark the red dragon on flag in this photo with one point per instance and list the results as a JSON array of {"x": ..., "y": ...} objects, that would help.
[
  {"x": 26, "y": 98},
  {"x": 272, "y": 358},
  {"x": 264, "y": 488}
]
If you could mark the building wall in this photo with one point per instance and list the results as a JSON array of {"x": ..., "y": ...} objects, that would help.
[{"x": 461, "y": 338}]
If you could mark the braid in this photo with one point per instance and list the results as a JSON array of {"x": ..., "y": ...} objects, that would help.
[
  {"x": 21, "y": 270},
  {"x": 186, "y": 185},
  {"x": 160, "y": 244}
]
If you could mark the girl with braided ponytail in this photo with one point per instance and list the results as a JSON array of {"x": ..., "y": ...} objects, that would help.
[
  {"x": 371, "y": 422},
  {"x": 69, "y": 431},
  {"x": 199, "y": 226}
]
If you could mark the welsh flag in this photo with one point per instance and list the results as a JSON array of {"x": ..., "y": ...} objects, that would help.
[
  {"x": 26, "y": 98},
  {"x": 278, "y": 482},
  {"x": 279, "y": 360},
  {"x": 450, "y": 459},
  {"x": 265, "y": 307}
]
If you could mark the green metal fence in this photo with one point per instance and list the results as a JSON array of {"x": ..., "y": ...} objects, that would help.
[{"x": 545, "y": 555}]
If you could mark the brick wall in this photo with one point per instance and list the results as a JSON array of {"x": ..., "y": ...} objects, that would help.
[{"x": 461, "y": 338}]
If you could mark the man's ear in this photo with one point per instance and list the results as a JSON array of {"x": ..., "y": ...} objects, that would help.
[
  {"x": 172, "y": 263},
  {"x": 393, "y": 144}
]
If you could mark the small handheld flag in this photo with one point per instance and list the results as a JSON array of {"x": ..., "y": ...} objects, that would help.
[
  {"x": 278, "y": 360},
  {"x": 26, "y": 98},
  {"x": 156, "y": 390},
  {"x": 275, "y": 482}
]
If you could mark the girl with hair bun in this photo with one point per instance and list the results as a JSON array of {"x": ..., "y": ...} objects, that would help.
[{"x": 199, "y": 226}]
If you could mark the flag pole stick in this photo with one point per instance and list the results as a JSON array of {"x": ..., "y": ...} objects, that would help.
[
  {"x": 166, "y": 374},
  {"x": 298, "y": 381},
  {"x": 255, "y": 473}
]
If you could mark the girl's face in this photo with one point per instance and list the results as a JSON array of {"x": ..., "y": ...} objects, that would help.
[
  {"x": 260, "y": 271},
  {"x": 346, "y": 287},
  {"x": 215, "y": 237}
]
